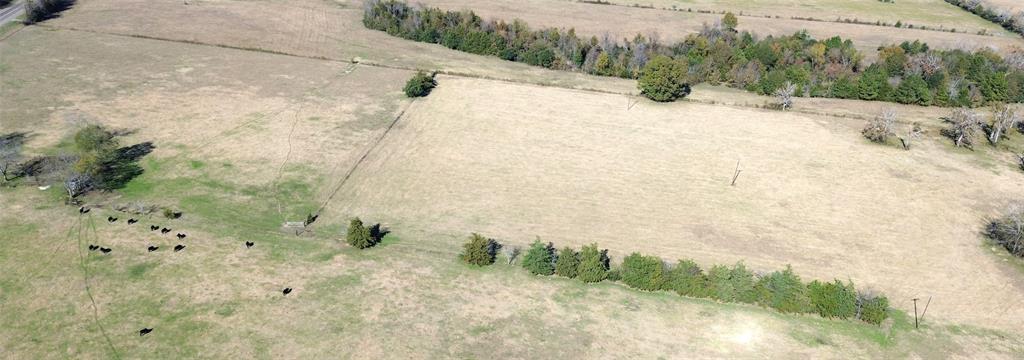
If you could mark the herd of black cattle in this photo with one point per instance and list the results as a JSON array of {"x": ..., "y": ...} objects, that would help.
[{"x": 164, "y": 231}]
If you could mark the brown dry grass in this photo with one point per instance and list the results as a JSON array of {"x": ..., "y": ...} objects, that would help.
[{"x": 574, "y": 168}]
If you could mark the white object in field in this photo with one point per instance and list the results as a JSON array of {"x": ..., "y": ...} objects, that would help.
[{"x": 44, "y": 188}]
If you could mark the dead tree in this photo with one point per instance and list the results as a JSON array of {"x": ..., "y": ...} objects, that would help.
[
  {"x": 1004, "y": 118},
  {"x": 964, "y": 126},
  {"x": 881, "y": 127},
  {"x": 10, "y": 153},
  {"x": 784, "y": 96},
  {"x": 1020, "y": 160},
  {"x": 512, "y": 253},
  {"x": 915, "y": 132}
]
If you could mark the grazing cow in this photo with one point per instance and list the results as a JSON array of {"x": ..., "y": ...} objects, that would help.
[
  {"x": 111, "y": 219},
  {"x": 145, "y": 331},
  {"x": 249, "y": 244},
  {"x": 105, "y": 250},
  {"x": 93, "y": 247},
  {"x": 132, "y": 221},
  {"x": 181, "y": 236},
  {"x": 286, "y": 291},
  {"x": 165, "y": 230},
  {"x": 83, "y": 210},
  {"x": 152, "y": 248},
  {"x": 154, "y": 228},
  {"x": 179, "y": 247}
]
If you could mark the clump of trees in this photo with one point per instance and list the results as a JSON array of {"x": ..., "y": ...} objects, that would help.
[
  {"x": 40, "y": 10},
  {"x": 1008, "y": 230},
  {"x": 1004, "y": 118},
  {"x": 420, "y": 84},
  {"x": 909, "y": 72},
  {"x": 479, "y": 250},
  {"x": 780, "y": 290},
  {"x": 964, "y": 127},
  {"x": 361, "y": 236}
]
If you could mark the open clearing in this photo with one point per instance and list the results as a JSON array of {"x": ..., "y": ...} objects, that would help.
[
  {"x": 931, "y": 13},
  {"x": 247, "y": 139}
]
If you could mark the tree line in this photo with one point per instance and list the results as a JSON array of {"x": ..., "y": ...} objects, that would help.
[
  {"x": 909, "y": 73},
  {"x": 1009, "y": 21},
  {"x": 782, "y": 290}
]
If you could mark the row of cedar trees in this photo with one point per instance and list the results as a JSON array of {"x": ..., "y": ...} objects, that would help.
[
  {"x": 909, "y": 73},
  {"x": 780, "y": 290}
]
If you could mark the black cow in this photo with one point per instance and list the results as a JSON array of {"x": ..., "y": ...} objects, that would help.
[
  {"x": 154, "y": 228},
  {"x": 249, "y": 244},
  {"x": 165, "y": 230},
  {"x": 83, "y": 210},
  {"x": 152, "y": 248},
  {"x": 105, "y": 250},
  {"x": 145, "y": 331},
  {"x": 93, "y": 247},
  {"x": 179, "y": 247},
  {"x": 181, "y": 236},
  {"x": 132, "y": 221},
  {"x": 286, "y": 291},
  {"x": 111, "y": 219}
]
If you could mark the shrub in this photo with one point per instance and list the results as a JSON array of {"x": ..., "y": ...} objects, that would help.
[
  {"x": 643, "y": 272},
  {"x": 663, "y": 79},
  {"x": 873, "y": 309},
  {"x": 686, "y": 279},
  {"x": 420, "y": 85},
  {"x": 539, "y": 259},
  {"x": 734, "y": 284},
  {"x": 568, "y": 263},
  {"x": 881, "y": 127},
  {"x": 593, "y": 264},
  {"x": 40, "y": 10},
  {"x": 833, "y": 300},
  {"x": 1008, "y": 230},
  {"x": 479, "y": 251},
  {"x": 783, "y": 291},
  {"x": 102, "y": 162},
  {"x": 359, "y": 236}
]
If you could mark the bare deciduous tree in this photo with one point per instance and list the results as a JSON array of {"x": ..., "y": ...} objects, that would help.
[
  {"x": 1020, "y": 160},
  {"x": 915, "y": 132},
  {"x": 10, "y": 153},
  {"x": 512, "y": 253},
  {"x": 784, "y": 95},
  {"x": 1003, "y": 118},
  {"x": 1008, "y": 230},
  {"x": 881, "y": 127},
  {"x": 964, "y": 125}
]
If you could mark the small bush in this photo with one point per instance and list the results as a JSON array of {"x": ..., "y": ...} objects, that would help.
[
  {"x": 663, "y": 79},
  {"x": 593, "y": 264},
  {"x": 479, "y": 251},
  {"x": 568, "y": 263},
  {"x": 1008, "y": 230},
  {"x": 359, "y": 236},
  {"x": 643, "y": 272},
  {"x": 734, "y": 284},
  {"x": 783, "y": 291},
  {"x": 833, "y": 300},
  {"x": 873, "y": 309},
  {"x": 687, "y": 279},
  {"x": 420, "y": 85},
  {"x": 539, "y": 259}
]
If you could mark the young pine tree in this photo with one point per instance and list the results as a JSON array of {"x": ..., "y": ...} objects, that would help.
[
  {"x": 539, "y": 259},
  {"x": 479, "y": 250},
  {"x": 359, "y": 235},
  {"x": 593, "y": 264},
  {"x": 568, "y": 263}
]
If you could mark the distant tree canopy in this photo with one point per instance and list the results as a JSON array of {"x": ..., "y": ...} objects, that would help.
[{"x": 909, "y": 72}]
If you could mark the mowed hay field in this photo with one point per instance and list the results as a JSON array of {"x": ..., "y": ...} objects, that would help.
[
  {"x": 931, "y": 13},
  {"x": 517, "y": 161},
  {"x": 626, "y": 22}
]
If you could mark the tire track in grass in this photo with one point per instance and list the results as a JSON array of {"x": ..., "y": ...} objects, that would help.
[{"x": 88, "y": 287}]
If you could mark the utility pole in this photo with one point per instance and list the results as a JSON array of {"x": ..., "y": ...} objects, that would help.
[{"x": 915, "y": 313}]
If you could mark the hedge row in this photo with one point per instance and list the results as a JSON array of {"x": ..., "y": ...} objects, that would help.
[
  {"x": 1010, "y": 22},
  {"x": 910, "y": 73},
  {"x": 780, "y": 290}
]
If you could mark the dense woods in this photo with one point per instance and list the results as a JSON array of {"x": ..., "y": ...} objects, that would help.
[{"x": 909, "y": 73}]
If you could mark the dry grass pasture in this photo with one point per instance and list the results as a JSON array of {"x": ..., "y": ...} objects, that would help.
[
  {"x": 258, "y": 112},
  {"x": 931, "y": 13}
]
